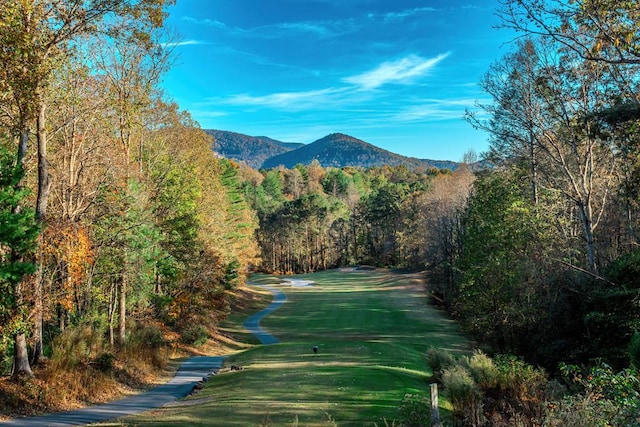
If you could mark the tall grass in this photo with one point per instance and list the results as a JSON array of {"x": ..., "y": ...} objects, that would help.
[
  {"x": 75, "y": 347},
  {"x": 83, "y": 368},
  {"x": 145, "y": 345}
]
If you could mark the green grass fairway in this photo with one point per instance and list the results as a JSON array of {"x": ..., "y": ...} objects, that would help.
[{"x": 372, "y": 329}]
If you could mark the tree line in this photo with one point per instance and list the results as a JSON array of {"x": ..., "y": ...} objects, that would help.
[
  {"x": 313, "y": 218},
  {"x": 556, "y": 276},
  {"x": 535, "y": 255},
  {"x": 114, "y": 213}
]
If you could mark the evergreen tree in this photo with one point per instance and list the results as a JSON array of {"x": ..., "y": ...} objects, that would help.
[{"x": 19, "y": 232}]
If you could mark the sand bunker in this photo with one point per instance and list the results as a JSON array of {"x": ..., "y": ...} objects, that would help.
[{"x": 297, "y": 283}]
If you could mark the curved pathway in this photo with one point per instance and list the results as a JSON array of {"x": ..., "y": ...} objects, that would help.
[
  {"x": 191, "y": 371},
  {"x": 252, "y": 324}
]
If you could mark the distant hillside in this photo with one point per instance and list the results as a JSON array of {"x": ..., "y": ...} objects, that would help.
[
  {"x": 253, "y": 150},
  {"x": 335, "y": 150},
  {"x": 339, "y": 150}
]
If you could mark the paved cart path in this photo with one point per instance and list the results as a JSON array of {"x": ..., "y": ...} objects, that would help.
[
  {"x": 252, "y": 324},
  {"x": 191, "y": 371}
]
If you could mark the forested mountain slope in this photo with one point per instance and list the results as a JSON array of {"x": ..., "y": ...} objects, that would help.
[
  {"x": 334, "y": 150},
  {"x": 340, "y": 150},
  {"x": 253, "y": 150}
]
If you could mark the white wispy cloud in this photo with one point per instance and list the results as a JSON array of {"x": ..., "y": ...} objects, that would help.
[
  {"x": 305, "y": 27},
  {"x": 183, "y": 43},
  {"x": 208, "y": 22},
  {"x": 408, "y": 13},
  {"x": 207, "y": 114},
  {"x": 434, "y": 110},
  {"x": 356, "y": 94},
  {"x": 291, "y": 101},
  {"x": 402, "y": 71},
  {"x": 281, "y": 29}
]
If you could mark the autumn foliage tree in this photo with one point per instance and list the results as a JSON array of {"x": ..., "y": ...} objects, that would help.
[
  {"x": 144, "y": 229},
  {"x": 36, "y": 37},
  {"x": 596, "y": 30},
  {"x": 563, "y": 119}
]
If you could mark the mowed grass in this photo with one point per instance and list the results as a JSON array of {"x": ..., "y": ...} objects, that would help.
[{"x": 372, "y": 329}]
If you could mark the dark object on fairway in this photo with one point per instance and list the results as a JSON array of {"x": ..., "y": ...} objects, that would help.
[
  {"x": 236, "y": 368},
  {"x": 315, "y": 349}
]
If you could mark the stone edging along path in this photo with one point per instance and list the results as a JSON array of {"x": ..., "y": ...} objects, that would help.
[{"x": 192, "y": 371}]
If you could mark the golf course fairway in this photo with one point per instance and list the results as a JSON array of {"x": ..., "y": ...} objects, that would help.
[{"x": 372, "y": 329}]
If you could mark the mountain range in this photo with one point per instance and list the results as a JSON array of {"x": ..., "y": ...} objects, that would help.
[{"x": 334, "y": 150}]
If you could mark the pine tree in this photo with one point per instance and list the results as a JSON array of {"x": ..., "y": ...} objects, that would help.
[{"x": 18, "y": 240}]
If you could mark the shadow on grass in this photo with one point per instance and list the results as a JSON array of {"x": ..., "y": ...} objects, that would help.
[{"x": 372, "y": 330}]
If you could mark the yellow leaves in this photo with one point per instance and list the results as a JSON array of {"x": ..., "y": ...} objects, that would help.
[
  {"x": 67, "y": 250},
  {"x": 598, "y": 46}
]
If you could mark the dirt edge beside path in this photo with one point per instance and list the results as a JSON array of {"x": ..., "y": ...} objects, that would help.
[{"x": 192, "y": 371}]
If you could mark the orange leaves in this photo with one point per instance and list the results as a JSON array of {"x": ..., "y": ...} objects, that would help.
[{"x": 67, "y": 250}]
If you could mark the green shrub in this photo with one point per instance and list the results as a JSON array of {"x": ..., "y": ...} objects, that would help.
[
  {"x": 523, "y": 387},
  {"x": 615, "y": 394},
  {"x": 439, "y": 360},
  {"x": 464, "y": 395},
  {"x": 585, "y": 411},
  {"x": 231, "y": 276},
  {"x": 415, "y": 411},
  {"x": 519, "y": 378},
  {"x": 575, "y": 411},
  {"x": 6, "y": 354},
  {"x": 195, "y": 335},
  {"x": 104, "y": 362},
  {"x": 146, "y": 336},
  {"x": 482, "y": 369}
]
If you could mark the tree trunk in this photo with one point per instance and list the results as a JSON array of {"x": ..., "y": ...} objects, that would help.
[
  {"x": 276, "y": 257},
  {"x": 44, "y": 179},
  {"x": 61, "y": 318},
  {"x": 113, "y": 289},
  {"x": 44, "y": 188},
  {"x": 22, "y": 147},
  {"x": 20, "y": 357},
  {"x": 122, "y": 311},
  {"x": 587, "y": 223},
  {"x": 534, "y": 168},
  {"x": 37, "y": 316}
]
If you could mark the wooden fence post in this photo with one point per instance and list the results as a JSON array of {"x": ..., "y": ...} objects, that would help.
[{"x": 435, "y": 412}]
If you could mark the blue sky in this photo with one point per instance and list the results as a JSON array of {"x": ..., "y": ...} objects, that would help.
[{"x": 398, "y": 74}]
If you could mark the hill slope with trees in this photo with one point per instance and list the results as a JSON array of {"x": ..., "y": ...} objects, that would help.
[
  {"x": 340, "y": 150},
  {"x": 335, "y": 150},
  {"x": 252, "y": 150}
]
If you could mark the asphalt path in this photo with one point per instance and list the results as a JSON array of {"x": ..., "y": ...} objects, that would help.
[
  {"x": 192, "y": 371},
  {"x": 252, "y": 324}
]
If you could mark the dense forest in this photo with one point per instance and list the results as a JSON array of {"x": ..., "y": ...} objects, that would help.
[{"x": 121, "y": 232}]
